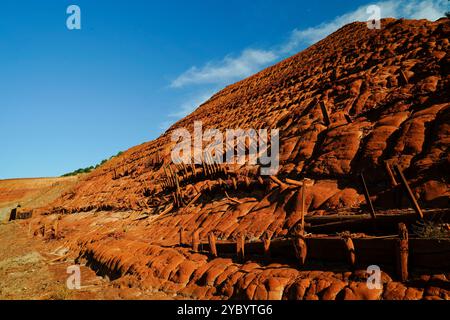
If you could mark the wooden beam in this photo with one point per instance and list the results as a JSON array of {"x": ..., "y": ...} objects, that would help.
[
  {"x": 167, "y": 177},
  {"x": 195, "y": 240},
  {"x": 409, "y": 192},
  {"x": 301, "y": 249},
  {"x": 277, "y": 181},
  {"x": 390, "y": 174},
  {"x": 402, "y": 252},
  {"x": 240, "y": 247},
  {"x": 367, "y": 196},
  {"x": 350, "y": 251},
  {"x": 303, "y": 213},
  {"x": 232, "y": 199},
  {"x": 212, "y": 244},
  {"x": 194, "y": 171},
  {"x": 294, "y": 182},
  {"x": 247, "y": 182},
  {"x": 266, "y": 244},
  {"x": 194, "y": 199},
  {"x": 167, "y": 210},
  {"x": 403, "y": 77}
]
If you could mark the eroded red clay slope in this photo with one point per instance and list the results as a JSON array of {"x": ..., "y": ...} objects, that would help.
[
  {"x": 387, "y": 93},
  {"x": 355, "y": 71}
]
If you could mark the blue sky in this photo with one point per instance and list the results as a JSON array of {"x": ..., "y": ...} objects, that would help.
[{"x": 70, "y": 98}]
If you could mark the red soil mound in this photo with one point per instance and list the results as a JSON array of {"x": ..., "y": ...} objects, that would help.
[
  {"x": 386, "y": 92},
  {"x": 31, "y": 193},
  {"x": 393, "y": 84}
]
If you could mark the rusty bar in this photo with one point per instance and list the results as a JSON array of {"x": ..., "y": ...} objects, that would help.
[
  {"x": 266, "y": 243},
  {"x": 174, "y": 177},
  {"x": 205, "y": 171},
  {"x": 367, "y": 196},
  {"x": 294, "y": 182},
  {"x": 167, "y": 176},
  {"x": 240, "y": 247},
  {"x": 212, "y": 244},
  {"x": 390, "y": 174},
  {"x": 181, "y": 237},
  {"x": 402, "y": 252},
  {"x": 326, "y": 117},
  {"x": 404, "y": 77},
  {"x": 350, "y": 251},
  {"x": 247, "y": 182},
  {"x": 195, "y": 240},
  {"x": 409, "y": 192},
  {"x": 301, "y": 250},
  {"x": 198, "y": 195},
  {"x": 303, "y": 208},
  {"x": 277, "y": 181},
  {"x": 234, "y": 183},
  {"x": 194, "y": 171},
  {"x": 175, "y": 199},
  {"x": 186, "y": 173}
]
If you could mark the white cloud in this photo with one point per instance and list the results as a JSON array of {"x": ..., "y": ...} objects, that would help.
[
  {"x": 230, "y": 68},
  {"x": 250, "y": 61},
  {"x": 431, "y": 10},
  {"x": 424, "y": 9}
]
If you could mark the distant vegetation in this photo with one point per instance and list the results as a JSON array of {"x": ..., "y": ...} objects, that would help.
[{"x": 89, "y": 169}]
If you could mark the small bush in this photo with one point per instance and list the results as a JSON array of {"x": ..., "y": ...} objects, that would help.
[{"x": 91, "y": 168}]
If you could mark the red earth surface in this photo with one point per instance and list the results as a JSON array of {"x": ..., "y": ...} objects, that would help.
[{"x": 386, "y": 95}]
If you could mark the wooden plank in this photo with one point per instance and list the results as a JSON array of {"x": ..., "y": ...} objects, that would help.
[
  {"x": 440, "y": 214},
  {"x": 195, "y": 240},
  {"x": 409, "y": 192},
  {"x": 266, "y": 244},
  {"x": 402, "y": 252},
  {"x": 240, "y": 247},
  {"x": 303, "y": 208},
  {"x": 351, "y": 254},
  {"x": 386, "y": 223},
  {"x": 301, "y": 249},
  {"x": 212, "y": 244},
  {"x": 423, "y": 253},
  {"x": 277, "y": 181},
  {"x": 294, "y": 182},
  {"x": 403, "y": 77},
  {"x": 392, "y": 179}
]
